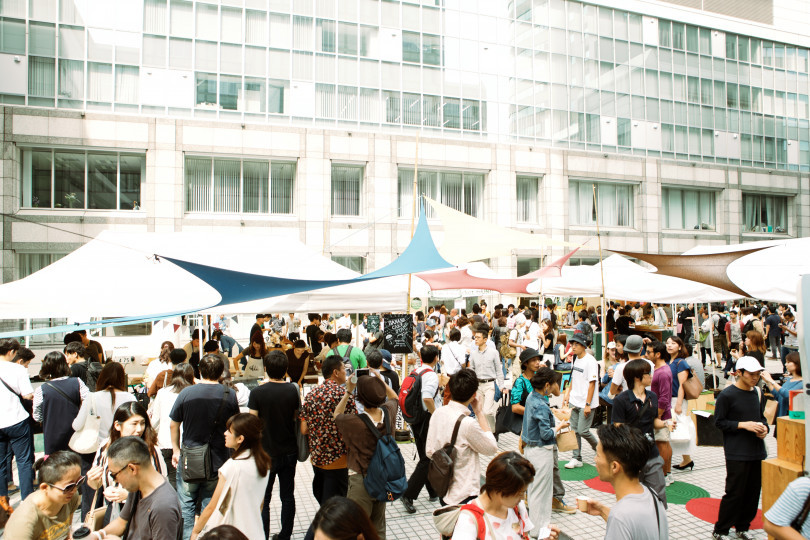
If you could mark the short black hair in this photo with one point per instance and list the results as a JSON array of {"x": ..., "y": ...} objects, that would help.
[
  {"x": 71, "y": 337},
  {"x": 9, "y": 344},
  {"x": 24, "y": 355},
  {"x": 130, "y": 449},
  {"x": 211, "y": 367},
  {"x": 545, "y": 375},
  {"x": 429, "y": 353},
  {"x": 259, "y": 316},
  {"x": 275, "y": 364},
  {"x": 463, "y": 385},
  {"x": 635, "y": 369},
  {"x": 344, "y": 335},
  {"x": 76, "y": 347},
  {"x": 583, "y": 314},
  {"x": 374, "y": 359},
  {"x": 177, "y": 356},
  {"x": 211, "y": 346},
  {"x": 659, "y": 348},
  {"x": 330, "y": 364},
  {"x": 54, "y": 365},
  {"x": 314, "y": 317},
  {"x": 455, "y": 334},
  {"x": 625, "y": 444},
  {"x": 196, "y": 334}
]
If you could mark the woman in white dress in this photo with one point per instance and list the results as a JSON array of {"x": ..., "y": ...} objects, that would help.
[
  {"x": 182, "y": 376},
  {"x": 240, "y": 479}
]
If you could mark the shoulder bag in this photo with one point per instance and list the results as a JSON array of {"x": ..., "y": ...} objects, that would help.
[
  {"x": 691, "y": 386},
  {"x": 195, "y": 461},
  {"x": 442, "y": 463},
  {"x": 506, "y": 421},
  {"x": 301, "y": 439},
  {"x": 85, "y": 441}
]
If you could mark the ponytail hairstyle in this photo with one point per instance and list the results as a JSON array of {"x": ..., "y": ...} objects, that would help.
[
  {"x": 250, "y": 427},
  {"x": 50, "y": 469}
]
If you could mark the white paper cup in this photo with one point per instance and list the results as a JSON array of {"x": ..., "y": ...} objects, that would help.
[{"x": 582, "y": 503}]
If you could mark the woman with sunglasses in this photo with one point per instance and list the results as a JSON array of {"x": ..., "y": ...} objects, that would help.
[
  {"x": 130, "y": 419},
  {"x": 48, "y": 512}
]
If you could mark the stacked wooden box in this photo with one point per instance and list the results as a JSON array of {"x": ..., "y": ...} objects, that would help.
[{"x": 788, "y": 464}]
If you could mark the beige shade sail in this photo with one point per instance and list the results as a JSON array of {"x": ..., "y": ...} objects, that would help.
[{"x": 471, "y": 239}]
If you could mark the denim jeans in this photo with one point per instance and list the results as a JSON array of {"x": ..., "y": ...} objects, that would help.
[
  {"x": 190, "y": 495},
  {"x": 775, "y": 342},
  {"x": 19, "y": 438},
  {"x": 284, "y": 468},
  {"x": 227, "y": 343}
]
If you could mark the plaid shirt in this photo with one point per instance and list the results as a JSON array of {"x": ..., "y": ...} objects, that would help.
[{"x": 325, "y": 443}]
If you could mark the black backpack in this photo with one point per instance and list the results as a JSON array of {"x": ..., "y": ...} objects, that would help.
[
  {"x": 747, "y": 327},
  {"x": 93, "y": 370},
  {"x": 721, "y": 324},
  {"x": 347, "y": 363}
]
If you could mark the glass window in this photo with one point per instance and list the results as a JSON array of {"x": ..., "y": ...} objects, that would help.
[
  {"x": 526, "y": 265},
  {"x": 99, "y": 82},
  {"x": 131, "y": 172},
  {"x": 688, "y": 209},
  {"x": 623, "y": 132},
  {"x": 411, "y": 47},
  {"x": 229, "y": 90},
  {"x": 355, "y": 263},
  {"x": 206, "y": 90},
  {"x": 71, "y": 43},
  {"x": 346, "y": 189},
  {"x": 347, "y": 38},
  {"x": 41, "y": 77},
  {"x": 614, "y": 203},
  {"x": 181, "y": 20},
  {"x": 731, "y": 46},
  {"x": 180, "y": 53},
  {"x": 154, "y": 51},
  {"x": 325, "y": 36},
  {"x": 764, "y": 213},
  {"x": 451, "y": 111},
  {"x": 678, "y": 36},
  {"x": 207, "y": 22},
  {"x": 71, "y": 79},
  {"x": 431, "y": 49},
  {"x": 255, "y": 27},
  {"x": 102, "y": 180},
  {"x": 126, "y": 84},
  {"x": 42, "y": 39},
  {"x": 528, "y": 189},
  {"x": 691, "y": 39},
  {"x": 12, "y": 36},
  {"x": 154, "y": 16},
  {"x": 459, "y": 190},
  {"x": 231, "y": 25},
  {"x": 37, "y": 170},
  {"x": 471, "y": 114}
]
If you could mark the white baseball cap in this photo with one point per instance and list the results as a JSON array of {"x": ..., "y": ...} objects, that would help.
[
  {"x": 611, "y": 345},
  {"x": 749, "y": 363}
]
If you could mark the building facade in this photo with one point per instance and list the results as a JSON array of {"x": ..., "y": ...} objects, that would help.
[{"x": 689, "y": 119}]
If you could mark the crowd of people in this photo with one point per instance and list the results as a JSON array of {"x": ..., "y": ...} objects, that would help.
[{"x": 198, "y": 452}]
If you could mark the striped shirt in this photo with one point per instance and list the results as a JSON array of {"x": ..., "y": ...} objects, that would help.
[{"x": 790, "y": 504}]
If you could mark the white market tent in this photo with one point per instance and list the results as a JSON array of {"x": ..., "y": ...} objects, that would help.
[
  {"x": 626, "y": 280},
  {"x": 117, "y": 275}
]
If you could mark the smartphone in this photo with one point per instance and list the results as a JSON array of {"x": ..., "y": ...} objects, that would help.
[{"x": 362, "y": 372}]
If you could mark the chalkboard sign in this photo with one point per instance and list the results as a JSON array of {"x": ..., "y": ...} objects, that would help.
[
  {"x": 398, "y": 333},
  {"x": 372, "y": 324}
]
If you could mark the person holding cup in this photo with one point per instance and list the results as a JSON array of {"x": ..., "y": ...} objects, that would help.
[{"x": 621, "y": 455}]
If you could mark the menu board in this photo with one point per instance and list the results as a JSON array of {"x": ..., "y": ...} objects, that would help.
[
  {"x": 372, "y": 324},
  {"x": 398, "y": 334}
]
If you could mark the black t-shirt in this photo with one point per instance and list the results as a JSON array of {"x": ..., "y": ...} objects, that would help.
[
  {"x": 623, "y": 325},
  {"x": 196, "y": 408},
  {"x": 733, "y": 406},
  {"x": 626, "y": 409},
  {"x": 610, "y": 321},
  {"x": 79, "y": 370},
  {"x": 277, "y": 403},
  {"x": 312, "y": 339},
  {"x": 253, "y": 329}
]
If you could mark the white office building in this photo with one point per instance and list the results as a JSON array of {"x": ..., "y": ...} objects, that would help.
[{"x": 306, "y": 117}]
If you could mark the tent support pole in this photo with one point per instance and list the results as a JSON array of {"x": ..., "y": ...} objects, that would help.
[
  {"x": 601, "y": 269},
  {"x": 413, "y": 224},
  {"x": 27, "y": 335},
  {"x": 711, "y": 344}
]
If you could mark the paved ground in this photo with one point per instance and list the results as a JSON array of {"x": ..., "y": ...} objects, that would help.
[{"x": 709, "y": 474}]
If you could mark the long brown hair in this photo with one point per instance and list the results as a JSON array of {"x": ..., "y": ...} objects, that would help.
[
  {"x": 165, "y": 348},
  {"x": 112, "y": 378},
  {"x": 683, "y": 352},
  {"x": 182, "y": 376},
  {"x": 258, "y": 339},
  {"x": 125, "y": 412},
  {"x": 757, "y": 341},
  {"x": 250, "y": 427}
]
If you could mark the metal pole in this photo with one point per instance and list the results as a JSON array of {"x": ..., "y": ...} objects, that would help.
[
  {"x": 711, "y": 342},
  {"x": 601, "y": 269},
  {"x": 413, "y": 225}
]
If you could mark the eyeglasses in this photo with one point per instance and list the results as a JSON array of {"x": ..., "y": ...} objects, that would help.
[
  {"x": 70, "y": 487},
  {"x": 113, "y": 475}
]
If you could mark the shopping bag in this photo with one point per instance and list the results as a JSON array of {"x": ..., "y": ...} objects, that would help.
[
  {"x": 566, "y": 441},
  {"x": 770, "y": 411},
  {"x": 681, "y": 433}
]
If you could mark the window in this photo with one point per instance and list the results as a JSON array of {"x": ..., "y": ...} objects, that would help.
[
  {"x": 527, "y": 199},
  {"x": 358, "y": 264},
  {"x": 347, "y": 181},
  {"x": 461, "y": 191},
  {"x": 239, "y": 186},
  {"x": 615, "y": 204},
  {"x": 12, "y": 36},
  {"x": 28, "y": 263},
  {"x": 764, "y": 213},
  {"x": 410, "y": 47},
  {"x": 82, "y": 179},
  {"x": 528, "y": 264},
  {"x": 689, "y": 209}
]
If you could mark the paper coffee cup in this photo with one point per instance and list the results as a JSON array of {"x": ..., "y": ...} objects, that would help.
[{"x": 582, "y": 503}]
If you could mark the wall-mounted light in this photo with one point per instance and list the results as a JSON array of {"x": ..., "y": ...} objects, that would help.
[
  {"x": 17, "y": 59},
  {"x": 735, "y": 135},
  {"x": 655, "y": 126},
  {"x": 716, "y": 133}
]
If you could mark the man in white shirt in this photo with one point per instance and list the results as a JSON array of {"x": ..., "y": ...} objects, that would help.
[
  {"x": 430, "y": 391},
  {"x": 344, "y": 322},
  {"x": 582, "y": 395},
  {"x": 15, "y": 426},
  {"x": 632, "y": 347},
  {"x": 474, "y": 437},
  {"x": 486, "y": 363},
  {"x": 453, "y": 354}
]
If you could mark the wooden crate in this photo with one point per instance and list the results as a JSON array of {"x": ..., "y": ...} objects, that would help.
[
  {"x": 776, "y": 475},
  {"x": 790, "y": 440},
  {"x": 701, "y": 403}
]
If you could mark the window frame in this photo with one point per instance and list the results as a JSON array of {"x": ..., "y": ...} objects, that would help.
[
  {"x": 521, "y": 209},
  {"x": 434, "y": 178},
  {"x": 573, "y": 192},
  {"x": 667, "y": 190},
  {"x": 360, "y": 184},
  {"x": 763, "y": 198}
]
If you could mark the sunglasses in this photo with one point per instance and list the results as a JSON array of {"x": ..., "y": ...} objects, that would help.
[
  {"x": 70, "y": 487},
  {"x": 114, "y": 475}
]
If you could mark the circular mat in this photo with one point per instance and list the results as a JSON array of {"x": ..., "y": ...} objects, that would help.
[
  {"x": 598, "y": 485},
  {"x": 707, "y": 509},
  {"x": 682, "y": 493},
  {"x": 580, "y": 473}
]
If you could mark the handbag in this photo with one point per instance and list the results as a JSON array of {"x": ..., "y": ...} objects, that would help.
[
  {"x": 94, "y": 520},
  {"x": 566, "y": 441},
  {"x": 691, "y": 386},
  {"x": 195, "y": 461},
  {"x": 507, "y": 421},
  {"x": 440, "y": 471},
  {"x": 85, "y": 441},
  {"x": 302, "y": 440}
]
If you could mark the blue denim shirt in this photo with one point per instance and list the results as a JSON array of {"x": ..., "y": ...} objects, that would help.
[{"x": 538, "y": 422}]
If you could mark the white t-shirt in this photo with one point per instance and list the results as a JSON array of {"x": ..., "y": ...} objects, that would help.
[
  {"x": 532, "y": 338},
  {"x": 452, "y": 357},
  {"x": 16, "y": 377},
  {"x": 504, "y": 529},
  {"x": 584, "y": 371},
  {"x": 430, "y": 386},
  {"x": 618, "y": 374},
  {"x": 155, "y": 368}
]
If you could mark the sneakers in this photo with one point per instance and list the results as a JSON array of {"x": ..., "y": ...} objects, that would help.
[
  {"x": 558, "y": 505},
  {"x": 718, "y": 536},
  {"x": 668, "y": 479},
  {"x": 573, "y": 464},
  {"x": 745, "y": 535}
]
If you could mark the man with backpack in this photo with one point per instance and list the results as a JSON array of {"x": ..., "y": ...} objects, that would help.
[
  {"x": 353, "y": 357},
  {"x": 424, "y": 384},
  {"x": 376, "y": 467},
  {"x": 82, "y": 366}
]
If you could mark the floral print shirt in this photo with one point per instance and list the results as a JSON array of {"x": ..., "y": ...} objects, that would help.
[{"x": 325, "y": 443}]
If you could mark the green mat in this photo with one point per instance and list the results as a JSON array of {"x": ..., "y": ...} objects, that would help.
[
  {"x": 682, "y": 493},
  {"x": 586, "y": 472},
  {"x": 39, "y": 443}
]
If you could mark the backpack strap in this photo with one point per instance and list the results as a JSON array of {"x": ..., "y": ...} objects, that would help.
[
  {"x": 455, "y": 429},
  {"x": 64, "y": 394},
  {"x": 798, "y": 521},
  {"x": 478, "y": 513},
  {"x": 366, "y": 420}
]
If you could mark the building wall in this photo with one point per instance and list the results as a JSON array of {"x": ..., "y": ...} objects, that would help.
[{"x": 377, "y": 234}]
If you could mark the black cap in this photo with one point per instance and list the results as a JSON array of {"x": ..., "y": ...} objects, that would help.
[{"x": 528, "y": 354}]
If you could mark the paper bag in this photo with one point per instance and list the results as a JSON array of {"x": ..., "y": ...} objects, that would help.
[{"x": 567, "y": 441}]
